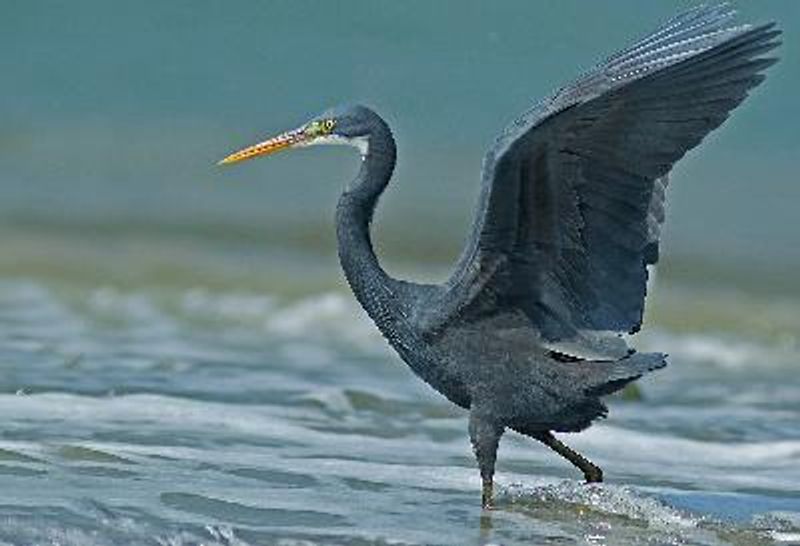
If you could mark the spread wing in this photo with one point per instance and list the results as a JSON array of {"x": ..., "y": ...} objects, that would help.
[{"x": 573, "y": 192}]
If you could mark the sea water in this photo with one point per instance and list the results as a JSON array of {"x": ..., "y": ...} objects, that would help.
[{"x": 221, "y": 407}]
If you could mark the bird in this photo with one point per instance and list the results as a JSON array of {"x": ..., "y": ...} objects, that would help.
[{"x": 531, "y": 329}]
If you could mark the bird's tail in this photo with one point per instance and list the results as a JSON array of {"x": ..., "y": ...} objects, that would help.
[{"x": 628, "y": 369}]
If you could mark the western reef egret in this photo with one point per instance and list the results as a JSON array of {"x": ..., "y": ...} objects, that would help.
[{"x": 527, "y": 332}]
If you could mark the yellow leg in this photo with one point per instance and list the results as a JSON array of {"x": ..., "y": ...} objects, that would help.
[{"x": 487, "y": 494}]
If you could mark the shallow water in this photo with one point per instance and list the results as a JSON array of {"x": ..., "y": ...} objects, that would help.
[{"x": 238, "y": 408}]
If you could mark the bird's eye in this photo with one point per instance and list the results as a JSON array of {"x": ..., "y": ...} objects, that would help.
[{"x": 328, "y": 124}]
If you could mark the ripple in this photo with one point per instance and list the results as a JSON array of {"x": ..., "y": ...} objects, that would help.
[
  {"x": 82, "y": 453},
  {"x": 274, "y": 477},
  {"x": 15, "y": 456},
  {"x": 9, "y": 470},
  {"x": 365, "y": 485},
  {"x": 242, "y": 514}
]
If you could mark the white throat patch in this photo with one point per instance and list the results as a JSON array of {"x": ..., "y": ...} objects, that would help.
[{"x": 361, "y": 143}]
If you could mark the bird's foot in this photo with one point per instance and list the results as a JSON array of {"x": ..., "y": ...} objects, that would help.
[
  {"x": 487, "y": 502},
  {"x": 593, "y": 474}
]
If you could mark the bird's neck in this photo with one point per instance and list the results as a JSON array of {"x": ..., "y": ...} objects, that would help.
[{"x": 366, "y": 277}]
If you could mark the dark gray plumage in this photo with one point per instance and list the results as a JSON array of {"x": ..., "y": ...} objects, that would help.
[{"x": 526, "y": 333}]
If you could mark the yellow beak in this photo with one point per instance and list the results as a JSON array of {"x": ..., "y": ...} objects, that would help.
[{"x": 270, "y": 146}]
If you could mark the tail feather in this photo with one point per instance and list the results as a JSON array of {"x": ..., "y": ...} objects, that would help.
[{"x": 628, "y": 369}]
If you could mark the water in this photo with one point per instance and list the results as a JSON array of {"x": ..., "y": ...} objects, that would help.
[
  {"x": 181, "y": 411},
  {"x": 181, "y": 363}
]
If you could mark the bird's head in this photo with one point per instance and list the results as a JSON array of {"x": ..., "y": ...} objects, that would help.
[{"x": 348, "y": 125}]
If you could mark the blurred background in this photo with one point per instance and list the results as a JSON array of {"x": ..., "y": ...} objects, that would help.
[
  {"x": 151, "y": 302},
  {"x": 113, "y": 118}
]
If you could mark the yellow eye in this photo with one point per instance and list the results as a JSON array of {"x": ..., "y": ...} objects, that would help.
[{"x": 328, "y": 124}]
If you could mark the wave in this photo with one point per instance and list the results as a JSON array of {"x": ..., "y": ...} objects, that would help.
[
  {"x": 603, "y": 499},
  {"x": 668, "y": 457},
  {"x": 31, "y": 310}
]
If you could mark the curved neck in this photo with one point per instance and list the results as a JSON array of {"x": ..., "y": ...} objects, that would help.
[{"x": 354, "y": 215}]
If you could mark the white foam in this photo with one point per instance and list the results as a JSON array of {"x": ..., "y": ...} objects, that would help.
[
  {"x": 235, "y": 306},
  {"x": 331, "y": 316},
  {"x": 606, "y": 499}
]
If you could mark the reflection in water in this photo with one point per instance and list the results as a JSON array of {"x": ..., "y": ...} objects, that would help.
[{"x": 485, "y": 527}]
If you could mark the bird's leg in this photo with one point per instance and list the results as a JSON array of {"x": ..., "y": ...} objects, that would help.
[
  {"x": 591, "y": 472},
  {"x": 485, "y": 436},
  {"x": 487, "y": 491}
]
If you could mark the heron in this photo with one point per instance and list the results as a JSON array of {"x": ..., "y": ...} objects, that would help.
[{"x": 531, "y": 329}]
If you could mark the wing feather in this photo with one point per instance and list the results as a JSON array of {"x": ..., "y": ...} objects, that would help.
[{"x": 573, "y": 192}]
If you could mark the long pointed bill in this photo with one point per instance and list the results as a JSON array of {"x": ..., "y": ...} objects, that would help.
[{"x": 270, "y": 146}]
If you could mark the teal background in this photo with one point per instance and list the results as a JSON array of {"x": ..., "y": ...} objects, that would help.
[{"x": 114, "y": 115}]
